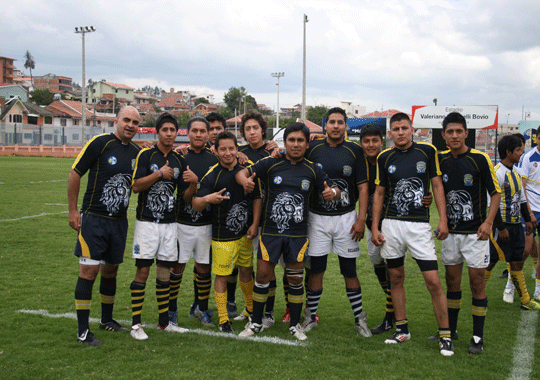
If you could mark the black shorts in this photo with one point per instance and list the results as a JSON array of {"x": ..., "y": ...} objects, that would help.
[
  {"x": 511, "y": 250},
  {"x": 294, "y": 249},
  {"x": 102, "y": 238}
]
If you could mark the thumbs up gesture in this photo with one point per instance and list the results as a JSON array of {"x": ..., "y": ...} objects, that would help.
[
  {"x": 166, "y": 171},
  {"x": 189, "y": 176},
  {"x": 249, "y": 185},
  {"x": 328, "y": 193}
]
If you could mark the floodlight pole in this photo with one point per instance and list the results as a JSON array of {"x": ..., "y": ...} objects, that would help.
[
  {"x": 83, "y": 30},
  {"x": 304, "y": 80},
  {"x": 277, "y": 75}
]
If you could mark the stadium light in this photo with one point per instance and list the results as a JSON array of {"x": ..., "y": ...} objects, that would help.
[
  {"x": 304, "y": 80},
  {"x": 277, "y": 75},
  {"x": 83, "y": 31}
]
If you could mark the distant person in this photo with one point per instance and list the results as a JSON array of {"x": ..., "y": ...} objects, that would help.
[
  {"x": 404, "y": 173},
  {"x": 217, "y": 124},
  {"x": 157, "y": 173},
  {"x": 235, "y": 221},
  {"x": 508, "y": 240},
  {"x": 468, "y": 178},
  {"x": 290, "y": 180},
  {"x": 102, "y": 222}
]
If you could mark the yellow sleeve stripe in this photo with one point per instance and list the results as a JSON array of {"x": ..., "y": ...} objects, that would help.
[
  {"x": 81, "y": 153},
  {"x": 137, "y": 164}
]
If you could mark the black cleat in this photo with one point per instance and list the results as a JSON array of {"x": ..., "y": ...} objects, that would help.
[
  {"x": 89, "y": 339},
  {"x": 112, "y": 326},
  {"x": 385, "y": 326},
  {"x": 226, "y": 328},
  {"x": 477, "y": 345}
]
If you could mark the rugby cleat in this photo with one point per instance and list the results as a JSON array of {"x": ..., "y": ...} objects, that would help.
[
  {"x": 112, "y": 326},
  {"x": 138, "y": 333},
  {"x": 531, "y": 305},
  {"x": 309, "y": 324},
  {"x": 192, "y": 309},
  {"x": 226, "y": 328},
  {"x": 268, "y": 321},
  {"x": 88, "y": 338},
  {"x": 173, "y": 328},
  {"x": 297, "y": 332},
  {"x": 436, "y": 337},
  {"x": 286, "y": 317},
  {"x": 244, "y": 315},
  {"x": 362, "y": 326},
  {"x": 476, "y": 346},
  {"x": 231, "y": 309},
  {"x": 204, "y": 317},
  {"x": 446, "y": 347},
  {"x": 398, "y": 337},
  {"x": 251, "y": 329},
  {"x": 173, "y": 317},
  {"x": 385, "y": 326}
]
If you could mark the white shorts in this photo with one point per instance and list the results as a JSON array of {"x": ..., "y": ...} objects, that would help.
[
  {"x": 374, "y": 252},
  {"x": 400, "y": 235},
  {"x": 194, "y": 241},
  {"x": 459, "y": 248},
  {"x": 330, "y": 233},
  {"x": 155, "y": 241}
]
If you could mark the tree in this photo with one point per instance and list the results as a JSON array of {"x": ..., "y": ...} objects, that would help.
[
  {"x": 238, "y": 98},
  {"x": 316, "y": 114},
  {"x": 183, "y": 119},
  {"x": 29, "y": 64},
  {"x": 42, "y": 97},
  {"x": 200, "y": 100}
]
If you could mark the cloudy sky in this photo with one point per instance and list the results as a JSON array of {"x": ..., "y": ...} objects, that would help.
[{"x": 378, "y": 54}]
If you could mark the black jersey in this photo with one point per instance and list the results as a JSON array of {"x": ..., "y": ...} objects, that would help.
[
  {"x": 405, "y": 174},
  {"x": 111, "y": 164},
  {"x": 467, "y": 179},
  {"x": 254, "y": 155},
  {"x": 232, "y": 217},
  {"x": 288, "y": 190},
  {"x": 199, "y": 163},
  {"x": 372, "y": 174},
  {"x": 346, "y": 166},
  {"x": 156, "y": 204}
]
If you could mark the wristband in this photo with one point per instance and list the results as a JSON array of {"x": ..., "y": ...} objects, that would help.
[
  {"x": 161, "y": 171},
  {"x": 335, "y": 192}
]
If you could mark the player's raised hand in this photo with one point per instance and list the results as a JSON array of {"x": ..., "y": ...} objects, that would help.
[
  {"x": 328, "y": 194},
  {"x": 189, "y": 176},
  {"x": 249, "y": 183},
  {"x": 182, "y": 149},
  {"x": 166, "y": 171}
]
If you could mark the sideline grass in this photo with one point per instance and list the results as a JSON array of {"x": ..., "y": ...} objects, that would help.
[{"x": 39, "y": 271}]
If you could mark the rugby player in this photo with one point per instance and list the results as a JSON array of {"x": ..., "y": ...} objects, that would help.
[
  {"x": 194, "y": 227},
  {"x": 468, "y": 177},
  {"x": 508, "y": 240},
  {"x": 157, "y": 171},
  {"x": 404, "y": 173},
  {"x": 334, "y": 225},
  {"x": 290, "y": 181},
  {"x": 235, "y": 221},
  {"x": 102, "y": 222}
]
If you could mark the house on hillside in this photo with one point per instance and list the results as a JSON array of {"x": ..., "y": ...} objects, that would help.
[{"x": 97, "y": 89}]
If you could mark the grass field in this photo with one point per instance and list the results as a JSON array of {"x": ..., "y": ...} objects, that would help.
[{"x": 39, "y": 272}]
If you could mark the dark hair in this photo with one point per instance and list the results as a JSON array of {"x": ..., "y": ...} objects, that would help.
[
  {"x": 454, "y": 117},
  {"x": 198, "y": 118},
  {"x": 252, "y": 114},
  {"x": 370, "y": 130},
  {"x": 510, "y": 143},
  {"x": 336, "y": 110},
  {"x": 224, "y": 136},
  {"x": 295, "y": 127},
  {"x": 521, "y": 137},
  {"x": 214, "y": 116},
  {"x": 399, "y": 117},
  {"x": 166, "y": 118}
]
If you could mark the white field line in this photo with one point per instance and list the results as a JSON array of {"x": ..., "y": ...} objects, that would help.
[
  {"x": 524, "y": 348},
  {"x": 54, "y": 180},
  {"x": 262, "y": 339},
  {"x": 33, "y": 216}
]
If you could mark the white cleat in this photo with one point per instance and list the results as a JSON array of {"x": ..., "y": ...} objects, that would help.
[
  {"x": 251, "y": 329},
  {"x": 362, "y": 326},
  {"x": 298, "y": 332},
  {"x": 138, "y": 333},
  {"x": 173, "y": 328}
]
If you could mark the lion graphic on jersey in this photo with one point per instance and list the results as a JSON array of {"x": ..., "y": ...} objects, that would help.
[
  {"x": 344, "y": 201},
  {"x": 161, "y": 199},
  {"x": 195, "y": 215},
  {"x": 409, "y": 192},
  {"x": 116, "y": 193},
  {"x": 285, "y": 207},
  {"x": 515, "y": 205},
  {"x": 459, "y": 207},
  {"x": 237, "y": 217}
]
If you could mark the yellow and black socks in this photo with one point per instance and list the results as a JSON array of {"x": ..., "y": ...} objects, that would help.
[
  {"x": 204, "y": 283},
  {"x": 163, "y": 289},
  {"x": 107, "y": 291},
  {"x": 270, "y": 301},
  {"x": 479, "y": 310},
  {"x": 176, "y": 280},
  {"x": 221, "y": 303},
  {"x": 519, "y": 282},
  {"x": 247, "y": 290},
  {"x": 260, "y": 295},
  {"x": 454, "y": 306},
  {"x": 137, "y": 301},
  {"x": 83, "y": 301}
]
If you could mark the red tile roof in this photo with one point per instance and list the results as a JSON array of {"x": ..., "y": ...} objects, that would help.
[
  {"x": 311, "y": 125},
  {"x": 173, "y": 101},
  {"x": 71, "y": 108},
  {"x": 118, "y": 85}
]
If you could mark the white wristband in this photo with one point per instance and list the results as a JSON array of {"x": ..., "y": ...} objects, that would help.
[{"x": 334, "y": 190}]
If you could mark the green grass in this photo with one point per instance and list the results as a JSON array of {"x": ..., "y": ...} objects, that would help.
[{"x": 39, "y": 271}]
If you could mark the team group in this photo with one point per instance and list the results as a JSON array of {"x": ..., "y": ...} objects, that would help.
[{"x": 294, "y": 208}]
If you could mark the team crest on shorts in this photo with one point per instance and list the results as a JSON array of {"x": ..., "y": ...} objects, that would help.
[
  {"x": 112, "y": 160},
  {"x": 445, "y": 178},
  {"x": 176, "y": 173},
  {"x": 319, "y": 165},
  {"x": 278, "y": 180},
  {"x": 305, "y": 185},
  {"x": 391, "y": 169},
  {"x": 535, "y": 164},
  {"x": 136, "y": 249},
  {"x": 420, "y": 167},
  {"x": 468, "y": 179},
  {"x": 347, "y": 170},
  {"x": 133, "y": 164},
  {"x": 154, "y": 168}
]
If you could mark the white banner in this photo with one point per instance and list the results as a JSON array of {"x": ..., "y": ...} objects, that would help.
[{"x": 477, "y": 117}]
